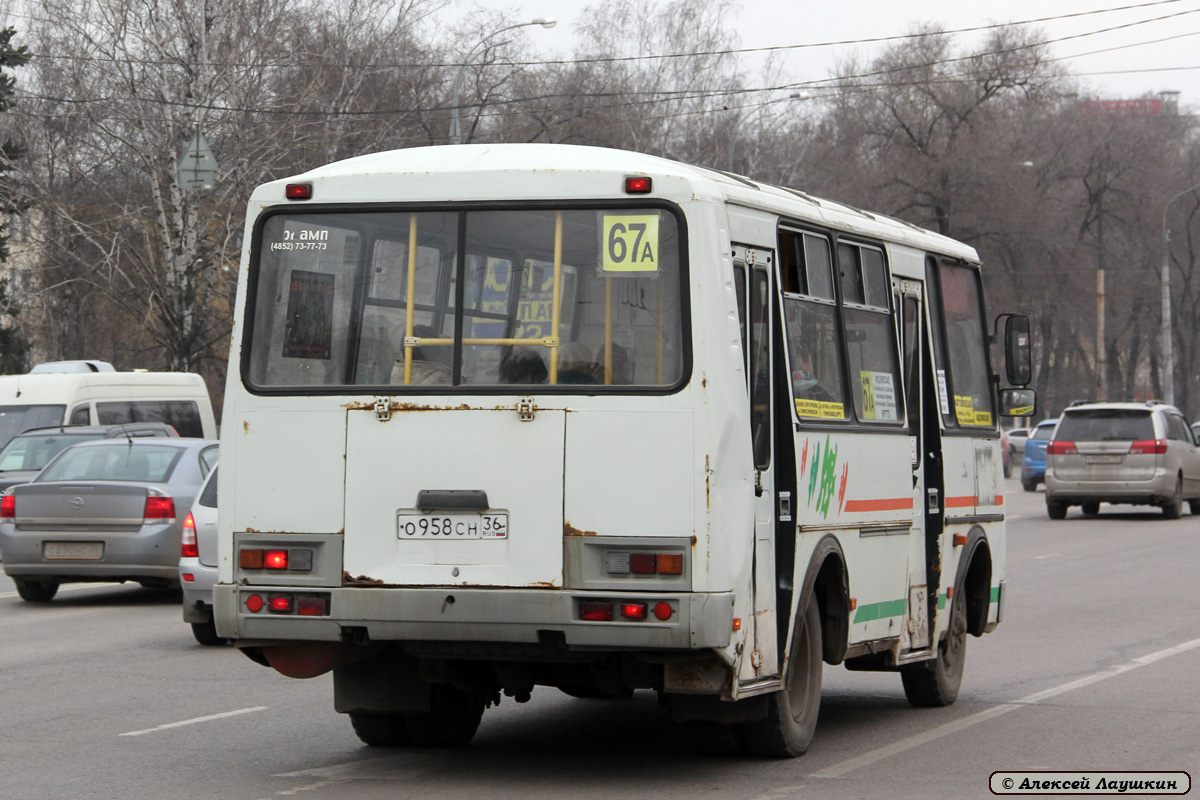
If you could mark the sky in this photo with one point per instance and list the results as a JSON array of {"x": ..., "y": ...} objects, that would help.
[{"x": 1138, "y": 59}]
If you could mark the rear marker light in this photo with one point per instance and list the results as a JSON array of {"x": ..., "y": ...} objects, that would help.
[
  {"x": 251, "y": 559},
  {"x": 8, "y": 507},
  {"x": 275, "y": 559},
  {"x": 254, "y": 603},
  {"x": 662, "y": 611},
  {"x": 1060, "y": 449},
  {"x": 188, "y": 577},
  {"x": 595, "y": 611},
  {"x": 280, "y": 604},
  {"x": 298, "y": 191},
  {"x": 637, "y": 185},
  {"x": 633, "y": 610},
  {"x": 643, "y": 563}
]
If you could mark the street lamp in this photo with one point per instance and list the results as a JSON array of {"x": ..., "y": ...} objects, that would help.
[
  {"x": 1167, "y": 356},
  {"x": 455, "y": 133}
]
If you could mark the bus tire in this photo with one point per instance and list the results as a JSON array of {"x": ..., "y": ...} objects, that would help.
[
  {"x": 380, "y": 730},
  {"x": 792, "y": 712},
  {"x": 36, "y": 591},
  {"x": 933, "y": 684},
  {"x": 452, "y": 720}
]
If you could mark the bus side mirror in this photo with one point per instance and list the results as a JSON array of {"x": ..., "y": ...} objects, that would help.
[
  {"x": 1017, "y": 359},
  {"x": 1018, "y": 402}
]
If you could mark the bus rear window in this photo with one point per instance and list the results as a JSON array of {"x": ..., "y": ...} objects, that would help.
[{"x": 443, "y": 301}]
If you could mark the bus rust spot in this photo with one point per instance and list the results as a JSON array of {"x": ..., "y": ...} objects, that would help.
[
  {"x": 245, "y": 426},
  {"x": 397, "y": 407},
  {"x": 361, "y": 580},
  {"x": 707, "y": 483},
  {"x": 571, "y": 530}
]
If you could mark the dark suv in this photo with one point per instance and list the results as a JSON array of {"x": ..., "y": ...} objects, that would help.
[
  {"x": 1140, "y": 453},
  {"x": 26, "y": 453}
]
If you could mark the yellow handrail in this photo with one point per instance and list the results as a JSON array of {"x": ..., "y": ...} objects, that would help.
[
  {"x": 412, "y": 290},
  {"x": 556, "y": 300}
]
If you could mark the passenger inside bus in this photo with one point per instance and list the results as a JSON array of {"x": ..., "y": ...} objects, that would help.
[
  {"x": 522, "y": 365},
  {"x": 575, "y": 364},
  {"x": 426, "y": 371}
]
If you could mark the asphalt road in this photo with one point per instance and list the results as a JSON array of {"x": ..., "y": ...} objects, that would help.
[{"x": 104, "y": 694}]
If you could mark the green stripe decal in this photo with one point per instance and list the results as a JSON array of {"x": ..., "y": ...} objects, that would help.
[
  {"x": 941, "y": 601},
  {"x": 874, "y": 611},
  {"x": 995, "y": 594}
]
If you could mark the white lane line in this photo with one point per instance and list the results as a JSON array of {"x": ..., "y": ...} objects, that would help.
[
  {"x": 195, "y": 720},
  {"x": 74, "y": 587},
  {"x": 916, "y": 740}
]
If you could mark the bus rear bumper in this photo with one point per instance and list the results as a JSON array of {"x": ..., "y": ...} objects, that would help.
[{"x": 698, "y": 621}]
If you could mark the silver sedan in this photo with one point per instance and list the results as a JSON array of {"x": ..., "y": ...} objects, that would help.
[{"x": 107, "y": 510}]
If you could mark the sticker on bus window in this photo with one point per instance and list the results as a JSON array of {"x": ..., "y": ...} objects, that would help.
[
  {"x": 878, "y": 396},
  {"x": 820, "y": 409},
  {"x": 630, "y": 242},
  {"x": 943, "y": 393},
  {"x": 309, "y": 331},
  {"x": 964, "y": 409}
]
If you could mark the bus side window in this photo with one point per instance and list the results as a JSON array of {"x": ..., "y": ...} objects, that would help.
[
  {"x": 760, "y": 367},
  {"x": 739, "y": 289},
  {"x": 80, "y": 415}
]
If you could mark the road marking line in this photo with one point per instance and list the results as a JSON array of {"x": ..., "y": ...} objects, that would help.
[
  {"x": 193, "y": 721},
  {"x": 903, "y": 745},
  {"x": 72, "y": 588}
]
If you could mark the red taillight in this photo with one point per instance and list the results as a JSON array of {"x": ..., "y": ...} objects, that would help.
[
  {"x": 1057, "y": 448},
  {"x": 8, "y": 507},
  {"x": 643, "y": 563},
  {"x": 254, "y": 603},
  {"x": 298, "y": 191},
  {"x": 633, "y": 610},
  {"x": 276, "y": 559},
  {"x": 159, "y": 507},
  {"x": 662, "y": 610},
  {"x": 313, "y": 606},
  {"x": 595, "y": 611},
  {"x": 637, "y": 185},
  {"x": 1150, "y": 447},
  {"x": 189, "y": 548},
  {"x": 280, "y": 603}
]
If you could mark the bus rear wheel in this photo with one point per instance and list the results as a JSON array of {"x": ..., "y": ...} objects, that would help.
[
  {"x": 792, "y": 712},
  {"x": 935, "y": 683}
]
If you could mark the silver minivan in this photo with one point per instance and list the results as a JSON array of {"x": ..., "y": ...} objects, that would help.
[{"x": 1122, "y": 452}]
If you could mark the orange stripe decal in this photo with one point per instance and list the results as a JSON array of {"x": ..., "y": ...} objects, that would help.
[
  {"x": 887, "y": 504},
  {"x": 960, "y": 502}
]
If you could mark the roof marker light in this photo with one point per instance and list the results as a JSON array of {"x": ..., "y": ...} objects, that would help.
[
  {"x": 637, "y": 185},
  {"x": 298, "y": 191}
]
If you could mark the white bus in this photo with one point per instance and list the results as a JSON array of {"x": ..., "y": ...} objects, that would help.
[
  {"x": 506, "y": 416},
  {"x": 94, "y": 393}
]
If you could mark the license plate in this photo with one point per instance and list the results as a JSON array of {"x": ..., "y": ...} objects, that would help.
[
  {"x": 1114, "y": 459},
  {"x": 453, "y": 525},
  {"x": 73, "y": 550}
]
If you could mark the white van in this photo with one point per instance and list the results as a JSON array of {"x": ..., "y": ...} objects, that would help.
[{"x": 93, "y": 393}]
